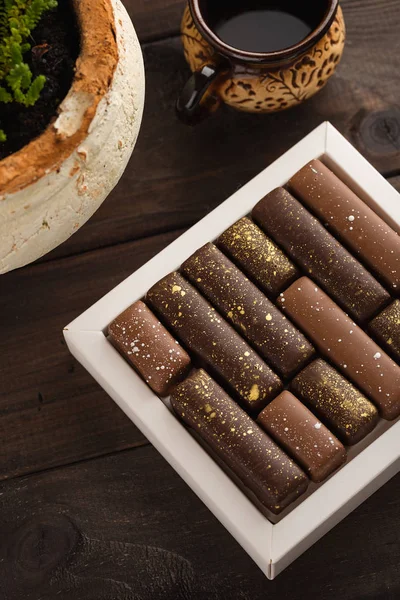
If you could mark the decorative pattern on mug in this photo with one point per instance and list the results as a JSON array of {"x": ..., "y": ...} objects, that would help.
[{"x": 255, "y": 88}]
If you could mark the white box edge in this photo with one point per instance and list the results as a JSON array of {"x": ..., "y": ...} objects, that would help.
[{"x": 265, "y": 544}]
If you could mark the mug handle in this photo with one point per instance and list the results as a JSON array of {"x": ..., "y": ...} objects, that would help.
[{"x": 198, "y": 99}]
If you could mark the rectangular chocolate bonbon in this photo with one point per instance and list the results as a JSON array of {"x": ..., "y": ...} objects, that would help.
[
  {"x": 344, "y": 409},
  {"x": 274, "y": 337},
  {"x": 262, "y": 467},
  {"x": 386, "y": 327},
  {"x": 149, "y": 347},
  {"x": 258, "y": 256},
  {"x": 204, "y": 332},
  {"x": 303, "y": 436},
  {"x": 351, "y": 220},
  {"x": 307, "y": 241},
  {"x": 336, "y": 336}
]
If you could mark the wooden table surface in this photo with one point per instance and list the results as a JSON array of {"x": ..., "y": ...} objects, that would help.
[{"x": 88, "y": 509}]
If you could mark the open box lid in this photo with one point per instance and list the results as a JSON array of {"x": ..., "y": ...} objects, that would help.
[{"x": 272, "y": 547}]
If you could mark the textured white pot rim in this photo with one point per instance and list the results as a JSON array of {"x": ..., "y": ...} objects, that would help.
[{"x": 94, "y": 73}]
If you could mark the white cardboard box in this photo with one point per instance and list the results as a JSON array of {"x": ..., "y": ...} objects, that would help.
[{"x": 272, "y": 547}]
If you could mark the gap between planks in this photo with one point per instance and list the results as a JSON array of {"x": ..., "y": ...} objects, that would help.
[{"x": 73, "y": 463}]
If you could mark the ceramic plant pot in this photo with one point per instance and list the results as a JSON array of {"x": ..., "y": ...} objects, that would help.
[
  {"x": 252, "y": 81},
  {"x": 54, "y": 184}
]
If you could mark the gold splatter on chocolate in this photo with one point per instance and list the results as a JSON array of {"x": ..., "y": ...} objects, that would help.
[
  {"x": 238, "y": 442},
  {"x": 308, "y": 243},
  {"x": 149, "y": 347},
  {"x": 386, "y": 328},
  {"x": 336, "y": 336},
  {"x": 336, "y": 401},
  {"x": 212, "y": 340},
  {"x": 302, "y": 436},
  {"x": 350, "y": 219},
  {"x": 258, "y": 256},
  {"x": 249, "y": 310}
]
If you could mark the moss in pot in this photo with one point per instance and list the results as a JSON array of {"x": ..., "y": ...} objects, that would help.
[
  {"x": 39, "y": 44},
  {"x": 72, "y": 121}
]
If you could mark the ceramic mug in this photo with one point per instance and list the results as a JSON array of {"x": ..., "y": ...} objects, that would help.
[{"x": 259, "y": 82}]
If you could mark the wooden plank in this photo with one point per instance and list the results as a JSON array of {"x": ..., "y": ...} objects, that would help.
[
  {"x": 127, "y": 527},
  {"x": 178, "y": 174},
  {"x": 51, "y": 411},
  {"x": 155, "y": 19}
]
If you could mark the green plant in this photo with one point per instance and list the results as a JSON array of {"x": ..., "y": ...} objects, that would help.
[{"x": 18, "y": 18}]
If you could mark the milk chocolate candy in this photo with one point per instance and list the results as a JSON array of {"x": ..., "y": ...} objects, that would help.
[
  {"x": 350, "y": 219},
  {"x": 344, "y": 409},
  {"x": 386, "y": 327},
  {"x": 307, "y": 241},
  {"x": 149, "y": 347},
  {"x": 250, "y": 312},
  {"x": 347, "y": 345},
  {"x": 258, "y": 256},
  {"x": 261, "y": 466},
  {"x": 214, "y": 342},
  {"x": 303, "y": 436}
]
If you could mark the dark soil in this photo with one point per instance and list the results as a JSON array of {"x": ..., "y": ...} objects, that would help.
[{"x": 55, "y": 48}]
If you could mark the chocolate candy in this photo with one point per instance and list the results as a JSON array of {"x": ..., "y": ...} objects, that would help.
[
  {"x": 350, "y": 219},
  {"x": 149, "y": 347},
  {"x": 238, "y": 442},
  {"x": 253, "y": 315},
  {"x": 306, "y": 240},
  {"x": 203, "y": 331},
  {"x": 386, "y": 327},
  {"x": 258, "y": 256},
  {"x": 347, "y": 346},
  {"x": 336, "y": 401},
  {"x": 303, "y": 436}
]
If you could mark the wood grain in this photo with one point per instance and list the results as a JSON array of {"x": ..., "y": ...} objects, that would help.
[
  {"x": 51, "y": 411},
  {"x": 155, "y": 19},
  {"x": 126, "y": 527},
  {"x": 177, "y": 174}
]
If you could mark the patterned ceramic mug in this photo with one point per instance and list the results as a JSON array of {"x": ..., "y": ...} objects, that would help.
[{"x": 260, "y": 82}]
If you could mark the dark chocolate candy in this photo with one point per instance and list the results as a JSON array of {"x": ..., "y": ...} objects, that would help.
[
  {"x": 203, "y": 331},
  {"x": 352, "y": 221},
  {"x": 336, "y": 401},
  {"x": 303, "y": 436},
  {"x": 346, "y": 344},
  {"x": 307, "y": 241},
  {"x": 239, "y": 443},
  {"x": 149, "y": 347},
  {"x": 386, "y": 327},
  {"x": 258, "y": 256},
  {"x": 253, "y": 315}
]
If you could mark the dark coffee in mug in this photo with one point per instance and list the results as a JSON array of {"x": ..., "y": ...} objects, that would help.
[
  {"x": 257, "y": 56},
  {"x": 263, "y": 25}
]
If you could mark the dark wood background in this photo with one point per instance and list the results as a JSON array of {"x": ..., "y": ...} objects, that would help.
[{"x": 88, "y": 509}]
